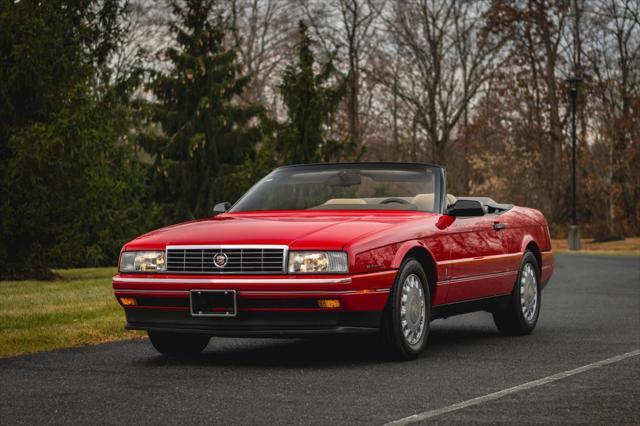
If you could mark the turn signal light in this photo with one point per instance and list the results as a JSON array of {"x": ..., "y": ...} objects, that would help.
[
  {"x": 128, "y": 301},
  {"x": 329, "y": 303}
]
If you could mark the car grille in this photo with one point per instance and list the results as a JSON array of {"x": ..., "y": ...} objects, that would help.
[{"x": 254, "y": 260}]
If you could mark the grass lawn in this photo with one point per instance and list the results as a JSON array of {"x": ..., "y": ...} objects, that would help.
[
  {"x": 626, "y": 247},
  {"x": 77, "y": 309}
]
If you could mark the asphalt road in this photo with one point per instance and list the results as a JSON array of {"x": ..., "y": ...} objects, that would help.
[{"x": 590, "y": 312}]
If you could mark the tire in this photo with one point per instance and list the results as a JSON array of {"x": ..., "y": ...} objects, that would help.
[
  {"x": 521, "y": 315},
  {"x": 178, "y": 344},
  {"x": 410, "y": 289}
]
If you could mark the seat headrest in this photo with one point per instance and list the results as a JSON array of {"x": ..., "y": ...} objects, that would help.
[{"x": 423, "y": 201}]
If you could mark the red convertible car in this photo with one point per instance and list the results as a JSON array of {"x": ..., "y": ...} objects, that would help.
[{"x": 337, "y": 248}]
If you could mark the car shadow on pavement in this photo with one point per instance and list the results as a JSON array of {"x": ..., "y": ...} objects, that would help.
[
  {"x": 294, "y": 353},
  {"x": 326, "y": 351}
]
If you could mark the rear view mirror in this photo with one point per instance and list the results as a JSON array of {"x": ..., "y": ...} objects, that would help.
[
  {"x": 345, "y": 178},
  {"x": 466, "y": 208},
  {"x": 221, "y": 207}
]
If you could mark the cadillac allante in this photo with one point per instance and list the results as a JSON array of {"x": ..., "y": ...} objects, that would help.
[{"x": 337, "y": 248}]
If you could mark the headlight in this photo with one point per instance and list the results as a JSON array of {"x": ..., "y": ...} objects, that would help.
[
  {"x": 142, "y": 261},
  {"x": 317, "y": 262}
]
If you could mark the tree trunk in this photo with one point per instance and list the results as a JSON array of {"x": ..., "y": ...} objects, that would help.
[
  {"x": 394, "y": 117},
  {"x": 555, "y": 129},
  {"x": 414, "y": 139},
  {"x": 465, "y": 183},
  {"x": 353, "y": 101}
]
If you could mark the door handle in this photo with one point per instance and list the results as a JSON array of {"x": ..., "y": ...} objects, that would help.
[{"x": 498, "y": 226}]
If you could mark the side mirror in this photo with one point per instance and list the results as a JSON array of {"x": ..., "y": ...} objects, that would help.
[
  {"x": 466, "y": 208},
  {"x": 221, "y": 207}
]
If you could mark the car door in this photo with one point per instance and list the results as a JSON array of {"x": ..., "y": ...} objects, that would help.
[
  {"x": 512, "y": 236},
  {"x": 476, "y": 259}
]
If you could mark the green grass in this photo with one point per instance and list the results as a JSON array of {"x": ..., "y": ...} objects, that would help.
[{"x": 76, "y": 309}]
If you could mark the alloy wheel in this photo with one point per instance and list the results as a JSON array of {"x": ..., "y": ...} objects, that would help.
[
  {"x": 412, "y": 309},
  {"x": 528, "y": 293}
]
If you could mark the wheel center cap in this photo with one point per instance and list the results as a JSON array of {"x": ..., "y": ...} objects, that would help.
[
  {"x": 414, "y": 311},
  {"x": 530, "y": 291}
]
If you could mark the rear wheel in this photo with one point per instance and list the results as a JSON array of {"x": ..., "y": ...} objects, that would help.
[
  {"x": 407, "y": 316},
  {"x": 178, "y": 344},
  {"x": 521, "y": 316}
]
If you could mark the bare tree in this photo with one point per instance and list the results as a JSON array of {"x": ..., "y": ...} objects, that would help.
[
  {"x": 613, "y": 56},
  {"x": 264, "y": 31},
  {"x": 447, "y": 59},
  {"x": 536, "y": 30},
  {"x": 348, "y": 28},
  {"x": 146, "y": 34}
]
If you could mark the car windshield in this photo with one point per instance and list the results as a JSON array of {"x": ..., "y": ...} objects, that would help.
[{"x": 346, "y": 187}]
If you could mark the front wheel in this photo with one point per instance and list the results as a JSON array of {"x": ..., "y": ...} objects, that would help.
[
  {"x": 521, "y": 316},
  {"x": 407, "y": 316},
  {"x": 178, "y": 344}
]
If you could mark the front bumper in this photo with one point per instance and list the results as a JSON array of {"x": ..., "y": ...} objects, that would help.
[
  {"x": 262, "y": 324},
  {"x": 266, "y": 305}
]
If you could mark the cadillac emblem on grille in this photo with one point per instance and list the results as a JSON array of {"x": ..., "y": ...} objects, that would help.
[{"x": 220, "y": 260}]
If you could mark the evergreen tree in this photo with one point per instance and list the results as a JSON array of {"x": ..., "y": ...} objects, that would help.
[
  {"x": 207, "y": 133},
  {"x": 47, "y": 49},
  {"x": 70, "y": 188},
  {"x": 311, "y": 99}
]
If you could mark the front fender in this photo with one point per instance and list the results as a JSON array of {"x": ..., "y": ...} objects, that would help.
[
  {"x": 405, "y": 248},
  {"x": 431, "y": 255},
  {"x": 426, "y": 254}
]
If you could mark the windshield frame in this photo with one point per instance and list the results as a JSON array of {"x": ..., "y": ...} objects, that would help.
[{"x": 438, "y": 171}]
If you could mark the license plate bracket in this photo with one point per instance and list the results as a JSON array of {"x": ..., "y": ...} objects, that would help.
[{"x": 213, "y": 303}]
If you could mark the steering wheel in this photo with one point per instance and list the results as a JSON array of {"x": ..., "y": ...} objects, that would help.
[{"x": 394, "y": 200}]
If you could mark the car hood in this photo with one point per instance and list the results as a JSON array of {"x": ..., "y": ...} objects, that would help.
[{"x": 299, "y": 230}]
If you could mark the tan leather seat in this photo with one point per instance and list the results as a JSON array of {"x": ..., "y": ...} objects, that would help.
[
  {"x": 423, "y": 201},
  {"x": 426, "y": 201},
  {"x": 345, "y": 201}
]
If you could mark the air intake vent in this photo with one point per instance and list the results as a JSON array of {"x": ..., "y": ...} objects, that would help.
[{"x": 226, "y": 260}]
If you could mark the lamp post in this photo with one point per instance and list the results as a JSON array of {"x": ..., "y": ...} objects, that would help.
[{"x": 574, "y": 229}]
